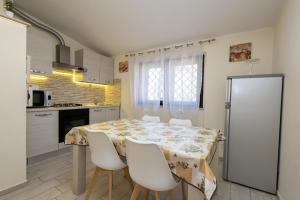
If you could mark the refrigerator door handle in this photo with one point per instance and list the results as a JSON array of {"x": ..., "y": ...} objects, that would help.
[
  {"x": 226, "y": 128},
  {"x": 227, "y": 105}
]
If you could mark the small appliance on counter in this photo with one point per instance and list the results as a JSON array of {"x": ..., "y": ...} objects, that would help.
[{"x": 37, "y": 97}]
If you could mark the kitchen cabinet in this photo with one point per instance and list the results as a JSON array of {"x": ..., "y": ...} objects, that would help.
[
  {"x": 99, "y": 68},
  {"x": 113, "y": 113},
  {"x": 97, "y": 115},
  {"x": 90, "y": 61},
  {"x": 43, "y": 128},
  {"x": 42, "y": 132},
  {"x": 106, "y": 70},
  {"x": 39, "y": 48}
]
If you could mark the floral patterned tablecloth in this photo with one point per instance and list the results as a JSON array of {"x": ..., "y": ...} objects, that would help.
[{"x": 188, "y": 150}]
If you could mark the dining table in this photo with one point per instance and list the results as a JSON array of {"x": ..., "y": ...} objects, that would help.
[{"x": 188, "y": 150}]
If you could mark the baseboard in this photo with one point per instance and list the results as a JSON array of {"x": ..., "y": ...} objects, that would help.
[
  {"x": 279, "y": 196},
  {"x": 42, "y": 157},
  {"x": 13, "y": 188}
]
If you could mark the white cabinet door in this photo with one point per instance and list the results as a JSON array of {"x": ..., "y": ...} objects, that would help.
[
  {"x": 106, "y": 70},
  {"x": 90, "y": 61},
  {"x": 97, "y": 115},
  {"x": 42, "y": 132},
  {"x": 113, "y": 113},
  {"x": 39, "y": 48}
]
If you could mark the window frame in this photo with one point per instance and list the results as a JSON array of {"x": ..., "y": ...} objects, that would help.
[{"x": 201, "y": 103}]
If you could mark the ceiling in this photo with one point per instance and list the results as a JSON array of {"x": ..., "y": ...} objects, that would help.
[{"x": 114, "y": 27}]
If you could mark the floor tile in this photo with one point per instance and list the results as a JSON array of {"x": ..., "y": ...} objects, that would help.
[
  {"x": 51, "y": 179},
  {"x": 49, "y": 194},
  {"x": 258, "y": 195}
]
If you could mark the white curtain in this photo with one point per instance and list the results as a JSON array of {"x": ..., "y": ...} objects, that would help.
[
  {"x": 183, "y": 80},
  {"x": 167, "y": 81},
  {"x": 147, "y": 83}
]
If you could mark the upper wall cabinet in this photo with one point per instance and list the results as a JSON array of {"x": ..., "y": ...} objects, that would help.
[
  {"x": 99, "y": 68},
  {"x": 39, "y": 48},
  {"x": 106, "y": 70},
  {"x": 90, "y": 61}
]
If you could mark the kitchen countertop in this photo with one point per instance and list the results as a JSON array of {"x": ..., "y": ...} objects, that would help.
[{"x": 36, "y": 109}]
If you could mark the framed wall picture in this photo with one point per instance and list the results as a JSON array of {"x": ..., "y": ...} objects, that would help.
[
  {"x": 240, "y": 52},
  {"x": 123, "y": 66}
]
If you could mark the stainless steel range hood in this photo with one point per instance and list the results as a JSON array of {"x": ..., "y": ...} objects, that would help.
[
  {"x": 62, "y": 51},
  {"x": 63, "y": 59}
]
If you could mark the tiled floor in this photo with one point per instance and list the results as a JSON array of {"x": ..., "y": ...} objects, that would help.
[{"x": 50, "y": 179}]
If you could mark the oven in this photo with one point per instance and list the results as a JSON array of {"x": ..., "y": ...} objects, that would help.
[{"x": 71, "y": 118}]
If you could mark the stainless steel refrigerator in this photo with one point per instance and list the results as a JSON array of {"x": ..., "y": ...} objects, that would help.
[{"x": 252, "y": 130}]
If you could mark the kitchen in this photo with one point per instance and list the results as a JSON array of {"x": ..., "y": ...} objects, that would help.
[
  {"x": 66, "y": 88},
  {"x": 130, "y": 100}
]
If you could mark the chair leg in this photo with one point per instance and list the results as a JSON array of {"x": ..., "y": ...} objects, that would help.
[
  {"x": 183, "y": 188},
  {"x": 92, "y": 183},
  {"x": 110, "y": 184},
  {"x": 137, "y": 189},
  {"x": 172, "y": 194},
  {"x": 127, "y": 176},
  {"x": 146, "y": 194},
  {"x": 157, "y": 195}
]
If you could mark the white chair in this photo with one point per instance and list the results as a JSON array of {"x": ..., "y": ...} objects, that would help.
[
  {"x": 180, "y": 122},
  {"x": 105, "y": 157},
  {"x": 149, "y": 169},
  {"x": 149, "y": 118}
]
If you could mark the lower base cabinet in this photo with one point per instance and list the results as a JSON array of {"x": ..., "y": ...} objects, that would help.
[
  {"x": 42, "y": 132},
  {"x": 112, "y": 113},
  {"x": 43, "y": 129},
  {"x": 98, "y": 115}
]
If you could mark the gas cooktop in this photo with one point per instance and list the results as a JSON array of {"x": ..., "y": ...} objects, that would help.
[{"x": 67, "y": 105}]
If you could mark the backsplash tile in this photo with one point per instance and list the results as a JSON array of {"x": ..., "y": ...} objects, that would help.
[{"x": 66, "y": 90}]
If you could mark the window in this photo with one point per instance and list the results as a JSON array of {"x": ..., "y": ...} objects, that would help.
[
  {"x": 154, "y": 84},
  {"x": 185, "y": 84},
  {"x": 176, "y": 82}
]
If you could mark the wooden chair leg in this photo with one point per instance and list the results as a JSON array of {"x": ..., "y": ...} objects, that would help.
[
  {"x": 147, "y": 194},
  {"x": 137, "y": 189},
  {"x": 110, "y": 184},
  {"x": 183, "y": 188},
  {"x": 127, "y": 176},
  {"x": 172, "y": 194},
  {"x": 157, "y": 196},
  {"x": 92, "y": 183}
]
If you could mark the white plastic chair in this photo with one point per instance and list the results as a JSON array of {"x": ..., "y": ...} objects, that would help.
[
  {"x": 105, "y": 157},
  {"x": 180, "y": 122},
  {"x": 149, "y": 169},
  {"x": 149, "y": 118}
]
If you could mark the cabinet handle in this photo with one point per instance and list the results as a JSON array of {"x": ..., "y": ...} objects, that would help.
[
  {"x": 98, "y": 110},
  {"x": 38, "y": 71},
  {"x": 43, "y": 115}
]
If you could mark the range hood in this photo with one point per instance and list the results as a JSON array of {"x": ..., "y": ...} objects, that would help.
[
  {"x": 63, "y": 59},
  {"x": 62, "y": 51}
]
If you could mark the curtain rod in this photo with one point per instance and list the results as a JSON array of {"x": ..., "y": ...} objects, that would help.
[{"x": 176, "y": 47}]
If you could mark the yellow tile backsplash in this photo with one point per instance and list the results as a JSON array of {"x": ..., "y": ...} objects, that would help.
[{"x": 66, "y": 90}]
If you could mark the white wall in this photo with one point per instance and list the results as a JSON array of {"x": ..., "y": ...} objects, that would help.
[
  {"x": 286, "y": 60},
  {"x": 12, "y": 104},
  {"x": 217, "y": 68}
]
